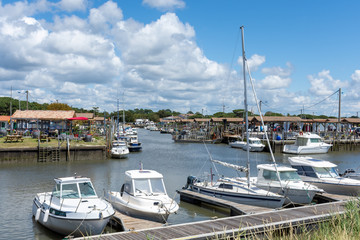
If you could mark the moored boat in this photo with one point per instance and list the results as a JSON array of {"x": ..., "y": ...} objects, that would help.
[
  {"x": 72, "y": 208},
  {"x": 307, "y": 143},
  {"x": 292, "y": 187},
  {"x": 119, "y": 149},
  {"x": 143, "y": 195},
  {"x": 323, "y": 174},
  {"x": 133, "y": 143}
]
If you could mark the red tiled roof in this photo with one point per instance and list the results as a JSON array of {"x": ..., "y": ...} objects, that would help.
[
  {"x": 90, "y": 116},
  {"x": 4, "y": 118}
]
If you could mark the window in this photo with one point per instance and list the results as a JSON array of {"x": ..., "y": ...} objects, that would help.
[
  {"x": 225, "y": 186},
  {"x": 157, "y": 186},
  {"x": 86, "y": 190},
  {"x": 300, "y": 141},
  {"x": 289, "y": 175},
  {"x": 315, "y": 140},
  {"x": 270, "y": 175},
  {"x": 70, "y": 191},
  {"x": 56, "y": 191},
  {"x": 326, "y": 172},
  {"x": 142, "y": 186},
  {"x": 309, "y": 171}
]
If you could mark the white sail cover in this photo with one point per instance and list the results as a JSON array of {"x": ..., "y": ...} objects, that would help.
[{"x": 236, "y": 167}]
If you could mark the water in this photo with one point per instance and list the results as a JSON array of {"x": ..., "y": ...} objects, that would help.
[{"x": 20, "y": 182}]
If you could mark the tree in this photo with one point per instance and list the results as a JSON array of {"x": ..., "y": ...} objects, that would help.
[{"x": 59, "y": 106}]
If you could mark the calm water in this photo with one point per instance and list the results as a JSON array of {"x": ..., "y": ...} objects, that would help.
[{"x": 20, "y": 182}]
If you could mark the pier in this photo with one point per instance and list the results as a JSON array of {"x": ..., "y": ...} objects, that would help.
[{"x": 256, "y": 221}]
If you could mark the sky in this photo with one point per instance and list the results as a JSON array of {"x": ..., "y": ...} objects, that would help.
[{"x": 183, "y": 55}]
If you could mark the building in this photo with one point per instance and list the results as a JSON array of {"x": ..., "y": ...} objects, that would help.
[{"x": 44, "y": 120}]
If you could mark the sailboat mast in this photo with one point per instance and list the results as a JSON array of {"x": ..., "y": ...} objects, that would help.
[
  {"x": 246, "y": 108},
  {"x": 124, "y": 111}
]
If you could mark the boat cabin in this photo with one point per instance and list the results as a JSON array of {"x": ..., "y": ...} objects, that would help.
[
  {"x": 143, "y": 182},
  {"x": 311, "y": 167},
  {"x": 74, "y": 187},
  {"x": 307, "y": 139},
  {"x": 267, "y": 172}
]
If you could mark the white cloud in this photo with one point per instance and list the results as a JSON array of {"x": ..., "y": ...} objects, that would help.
[
  {"x": 274, "y": 82},
  {"x": 254, "y": 62},
  {"x": 356, "y": 76},
  {"x": 324, "y": 83},
  {"x": 106, "y": 15},
  {"x": 165, "y": 5},
  {"x": 72, "y": 5},
  {"x": 279, "y": 71}
]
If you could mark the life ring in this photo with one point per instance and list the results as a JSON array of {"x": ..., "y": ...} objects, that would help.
[{"x": 301, "y": 133}]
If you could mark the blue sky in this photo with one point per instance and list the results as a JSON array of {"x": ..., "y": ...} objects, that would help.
[{"x": 182, "y": 55}]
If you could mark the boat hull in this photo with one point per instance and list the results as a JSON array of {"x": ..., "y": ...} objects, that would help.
[
  {"x": 73, "y": 227},
  {"x": 305, "y": 150},
  {"x": 147, "y": 210},
  {"x": 293, "y": 195},
  {"x": 243, "y": 198},
  {"x": 337, "y": 188}
]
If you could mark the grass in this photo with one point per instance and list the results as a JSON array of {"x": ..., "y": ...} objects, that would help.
[
  {"x": 33, "y": 142},
  {"x": 344, "y": 227}
]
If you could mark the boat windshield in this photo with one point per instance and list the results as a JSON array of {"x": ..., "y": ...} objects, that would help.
[
  {"x": 142, "y": 186},
  {"x": 56, "y": 191},
  {"x": 324, "y": 172},
  {"x": 86, "y": 189},
  {"x": 147, "y": 186},
  {"x": 254, "y": 141},
  {"x": 157, "y": 186},
  {"x": 300, "y": 141},
  {"x": 70, "y": 191}
]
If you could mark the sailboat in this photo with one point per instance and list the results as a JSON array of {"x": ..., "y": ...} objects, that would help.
[{"x": 237, "y": 189}]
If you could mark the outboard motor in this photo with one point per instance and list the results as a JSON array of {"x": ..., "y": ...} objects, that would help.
[
  {"x": 190, "y": 180},
  {"x": 347, "y": 171}
]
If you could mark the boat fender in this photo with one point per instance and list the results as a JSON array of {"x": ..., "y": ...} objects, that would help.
[
  {"x": 46, "y": 215},
  {"x": 37, "y": 215},
  {"x": 101, "y": 215}
]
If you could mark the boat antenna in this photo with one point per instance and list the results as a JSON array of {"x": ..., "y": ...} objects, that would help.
[
  {"x": 141, "y": 165},
  {"x": 246, "y": 109},
  {"x": 262, "y": 124}
]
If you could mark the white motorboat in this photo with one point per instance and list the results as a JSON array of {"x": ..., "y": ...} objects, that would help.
[
  {"x": 72, "y": 208},
  {"x": 292, "y": 187},
  {"x": 143, "y": 195},
  {"x": 233, "y": 189},
  {"x": 323, "y": 174},
  {"x": 307, "y": 143},
  {"x": 237, "y": 144},
  {"x": 119, "y": 149},
  {"x": 254, "y": 145},
  {"x": 133, "y": 143}
]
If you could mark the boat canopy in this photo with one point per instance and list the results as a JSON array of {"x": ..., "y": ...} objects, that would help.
[
  {"x": 309, "y": 161},
  {"x": 74, "y": 187}
]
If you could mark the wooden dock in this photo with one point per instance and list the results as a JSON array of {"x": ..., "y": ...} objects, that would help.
[
  {"x": 128, "y": 223},
  {"x": 235, "y": 208},
  {"x": 257, "y": 221}
]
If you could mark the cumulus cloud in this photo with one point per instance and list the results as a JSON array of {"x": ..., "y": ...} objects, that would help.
[
  {"x": 279, "y": 71},
  {"x": 254, "y": 62},
  {"x": 356, "y": 76},
  {"x": 72, "y": 5},
  {"x": 165, "y": 5},
  {"x": 324, "y": 84},
  {"x": 106, "y": 15},
  {"x": 274, "y": 81}
]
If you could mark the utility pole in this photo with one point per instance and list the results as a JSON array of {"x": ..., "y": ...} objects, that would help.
[{"x": 339, "y": 117}]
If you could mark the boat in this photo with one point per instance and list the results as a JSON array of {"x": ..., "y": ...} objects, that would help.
[
  {"x": 72, "y": 208},
  {"x": 323, "y": 174},
  {"x": 234, "y": 189},
  {"x": 119, "y": 149},
  {"x": 237, "y": 144},
  {"x": 143, "y": 195},
  {"x": 293, "y": 188},
  {"x": 307, "y": 143},
  {"x": 133, "y": 143},
  {"x": 350, "y": 173},
  {"x": 254, "y": 145}
]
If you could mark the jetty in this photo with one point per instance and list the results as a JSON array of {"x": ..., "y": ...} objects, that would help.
[{"x": 255, "y": 221}]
